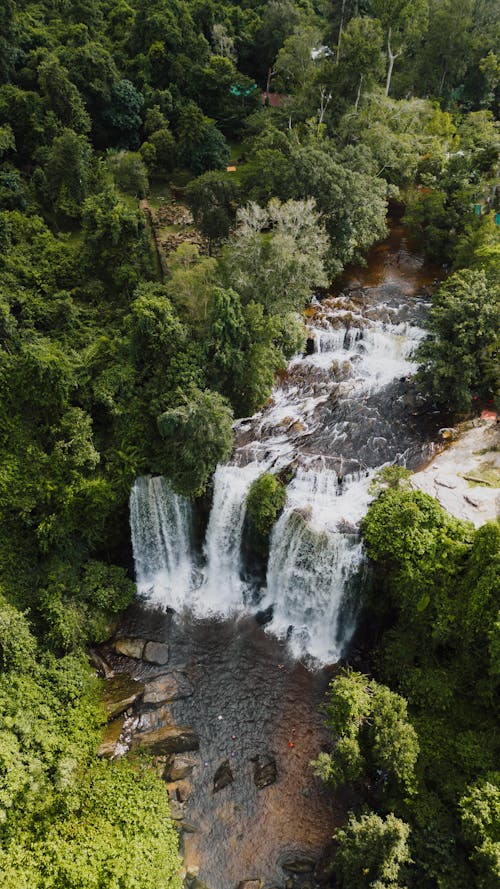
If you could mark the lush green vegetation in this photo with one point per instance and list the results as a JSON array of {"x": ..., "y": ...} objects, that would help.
[
  {"x": 114, "y": 362},
  {"x": 436, "y": 596}
]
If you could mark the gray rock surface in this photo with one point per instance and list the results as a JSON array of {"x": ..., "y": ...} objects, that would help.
[
  {"x": 130, "y": 647},
  {"x": 156, "y": 653},
  {"x": 120, "y": 693},
  {"x": 223, "y": 776},
  {"x": 168, "y": 739},
  {"x": 169, "y": 687}
]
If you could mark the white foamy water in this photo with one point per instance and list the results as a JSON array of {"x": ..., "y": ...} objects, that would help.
[{"x": 336, "y": 408}]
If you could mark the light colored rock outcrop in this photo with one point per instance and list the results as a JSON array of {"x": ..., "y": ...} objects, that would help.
[{"x": 465, "y": 478}]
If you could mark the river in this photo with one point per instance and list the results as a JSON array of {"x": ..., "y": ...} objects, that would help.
[{"x": 340, "y": 411}]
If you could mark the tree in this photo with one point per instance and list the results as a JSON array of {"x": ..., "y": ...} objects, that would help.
[
  {"x": 123, "y": 113},
  {"x": 480, "y": 810},
  {"x": 403, "y": 21},
  {"x": 65, "y": 179},
  {"x": 197, "y": 435},
  {"x": 278, "y": 268},
  {"x": 213, "y": 197},
  {"x": 371, "y": 852},
  {"x": 129, "y": 173},
  {"x": 265, "y": 500},
  {"x": 463, "y": 333},
  {"x": 62, "y": 95},
  {"x": 115, "y": 240},
  {"x": 372, "y": 736}
]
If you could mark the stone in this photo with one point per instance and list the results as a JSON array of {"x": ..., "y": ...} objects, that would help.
[
  {"x": 250, "y": 884},
  {"x": 180, "y": 767},
  {"x": 176, "y": 810},
  {"x": 223, "y": 776},
  {"x": 192, "y": 871},
  {"x": 121, "y": 693},
  {"x": 188, "y": 827},
  {"x": 179, "y": 790},
  {"x": 445, "y": 481},
  {"x": 169, "y": 687},
  {"x": 130, "y": 647},
  {"x": 156, "y": 653},
  {"x": 472, "y": 501},
  {"x": 289, "y": 884},
  {"x": 265, "y": 771},
  {"x": 107, "y": 747},
  {"x": 150, "y": 720},
  {"x": 299, "y": 865},
  {"x": 198, "y": 884},
  {"x": 168, "y": 739}
]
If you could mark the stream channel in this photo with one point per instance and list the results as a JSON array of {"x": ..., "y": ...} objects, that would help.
[{"x": 345, "y": 408}]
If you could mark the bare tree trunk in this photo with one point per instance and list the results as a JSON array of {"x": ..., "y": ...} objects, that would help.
[
  {"x": 359, "y": 93},
  {"x": 270, "y": 74},
  {"x": 392, "y": 58},
  {"x": 441, "y": 85},
  {"x": 341, "y": 26},
  {"x": 324, "y": 103}
]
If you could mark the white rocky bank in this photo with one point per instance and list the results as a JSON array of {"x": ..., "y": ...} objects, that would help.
[{"x": 465, "y": 478}]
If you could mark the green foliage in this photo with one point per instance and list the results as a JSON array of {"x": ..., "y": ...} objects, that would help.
[
  {"x": 371, "y": 852},
  {"x": 480, "y": 809},
  {"x": 265, "y": 500},
  {"x": 463, "y": 340},
  {"x": 373, "y": 737},
  {"x": 129, "y": 173},
  {"x": 198, "y": 435},
  {"x": 213, "y": 197}
]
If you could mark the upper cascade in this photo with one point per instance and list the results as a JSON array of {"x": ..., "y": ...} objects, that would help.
[{"x": 342, "y": 411}]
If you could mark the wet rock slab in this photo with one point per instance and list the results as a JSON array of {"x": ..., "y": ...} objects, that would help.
[
  {"x": 169, "y": 687},
  {"x": 250, "y": 884},
  {"x": 168, "y": 739},
  {"x": 107, "y": 747},
  {"x": 180, "y": 767},
  {"x": 120, "y": 693}
]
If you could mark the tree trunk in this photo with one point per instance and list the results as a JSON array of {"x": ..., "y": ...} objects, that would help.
[
  {"x": 341, "y": 26},
  {"x": 392, "y": 58},
  {"x": 359, "y": 93}
]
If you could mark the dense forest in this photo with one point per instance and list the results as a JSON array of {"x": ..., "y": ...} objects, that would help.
[{"x": 117, "y": 360}]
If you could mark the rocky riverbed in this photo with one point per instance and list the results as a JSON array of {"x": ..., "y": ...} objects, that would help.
[{"x": 236, "y": 764}]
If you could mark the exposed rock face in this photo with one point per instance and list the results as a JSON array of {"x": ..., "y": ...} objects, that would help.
[
  {"x": 107, "y": 747},
  {"x": 120, "y": 693},
  {"x": 150, "y": 720},
  {"x": 300, "y": 864},
  {"x": 223, "y": 776},
  {"x": 169, "y": 687},
  {"x": 265, "y": 771},
  {"x": 156, "y": 653},
  {"x": 465, "y": 478},
  {"x": 130, "y": 647},
  {"x": 168, "y": 739},
  {"x": 180, "y": 767}
]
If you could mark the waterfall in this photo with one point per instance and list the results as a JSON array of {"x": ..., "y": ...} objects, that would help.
[
  {"x": 315, "y": 553},
  {"x": 160, "y": 522},
  {"x": 223, "y": 588}
]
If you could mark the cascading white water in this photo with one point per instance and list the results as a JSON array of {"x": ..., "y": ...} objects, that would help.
[
  {"x": 223, "y": 588},
  {"x": 161, "y": 526},
  {"x": 315, "y": 552},
  {"x": 338, "y": 404}
]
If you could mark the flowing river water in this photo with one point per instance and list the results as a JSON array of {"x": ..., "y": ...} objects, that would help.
[{"x": 341, "y": 411}]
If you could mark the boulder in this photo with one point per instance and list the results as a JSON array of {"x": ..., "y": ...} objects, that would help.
[
  {"x": 130, "y": 647},
  {"x": 107, "y": 747},
  {"x": 120, "y": 693},
  {"x": 179, "y": 790},
  {"x": 264, "y": 771},
  {"x": 156, "y": 653},
  {"x": 198, "y": 884},
  {"x": 300, "y": 864},
  {"x": 180, "y": 767},
  {"x": 169, "y": 687},
  {"x": 223, "y": 776},
  {"x": 168, "y": 739}
]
